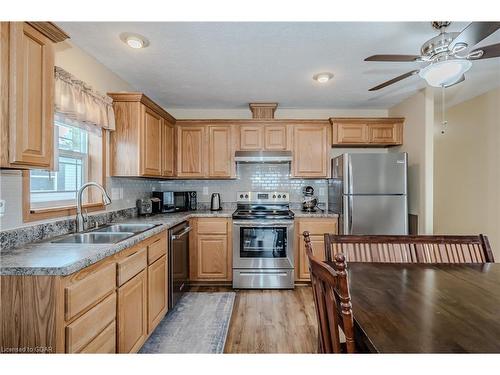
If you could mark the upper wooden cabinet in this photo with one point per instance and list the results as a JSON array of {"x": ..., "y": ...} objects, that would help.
[
  {"x": 27, "y": 94},
  {"x": 142, "y": 144},
  {"x": 311, "y": 150},
  {"x": 168, "y": 149},
  {"x": 205, "y": 150},
  {"x": 367, "y": 132},
  {"x": 191, "y": 151},
  {"x": 261, "y": 137},
  {"x": 220, "y": 151}
]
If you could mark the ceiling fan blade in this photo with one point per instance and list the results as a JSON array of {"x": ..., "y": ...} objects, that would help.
[
  {"x": 474, "y": 33},
  {"x": 394, "y": 58},
  {"x": 493, "y": 50},
  {"x": 394, "y": 80}
]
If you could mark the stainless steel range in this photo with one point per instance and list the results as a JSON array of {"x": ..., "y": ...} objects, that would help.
[{"x": 263, "y": 241}]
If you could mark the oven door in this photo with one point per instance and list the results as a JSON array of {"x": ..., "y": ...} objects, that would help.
[{"x": 262, "y": 244}]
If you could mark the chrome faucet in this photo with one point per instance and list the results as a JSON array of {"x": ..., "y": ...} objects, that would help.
[{"x": 81, "y": 221}]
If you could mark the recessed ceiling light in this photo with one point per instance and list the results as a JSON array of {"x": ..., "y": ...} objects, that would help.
[
  {"x": 323, "y": 77},
  {"x": 135, "y": 41}
]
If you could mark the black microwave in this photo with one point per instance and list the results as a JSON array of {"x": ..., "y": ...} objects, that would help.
[{"x": 174, "y": 201}]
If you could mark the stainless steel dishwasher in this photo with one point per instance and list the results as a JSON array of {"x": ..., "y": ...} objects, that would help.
[{"x": 178, "y": 262}]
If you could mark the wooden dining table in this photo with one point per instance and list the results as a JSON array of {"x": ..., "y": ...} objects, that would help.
[{"x": 418, "y": 308}]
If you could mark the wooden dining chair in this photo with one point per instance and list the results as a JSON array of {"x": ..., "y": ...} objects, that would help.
[
  {"x": 332, "y": 302},
  {"x": 409, "y": 249}
]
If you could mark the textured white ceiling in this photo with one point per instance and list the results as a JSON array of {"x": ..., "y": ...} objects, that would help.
[{"x": 227, "y": 65}]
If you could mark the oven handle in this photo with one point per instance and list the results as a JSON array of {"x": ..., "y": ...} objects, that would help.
[
  {"x": 181, "y": 234},
  {"x": 266, "y": 223},
  {"x": 247, "y": 273}
]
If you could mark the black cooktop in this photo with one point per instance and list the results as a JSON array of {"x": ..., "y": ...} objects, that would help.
[{"x": 263, "y": 214}]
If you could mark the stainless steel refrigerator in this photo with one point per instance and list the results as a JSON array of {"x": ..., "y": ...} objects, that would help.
[{"x": 369, "y": 192}]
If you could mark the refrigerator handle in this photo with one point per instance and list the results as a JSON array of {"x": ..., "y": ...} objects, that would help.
[{"x": 350, "y": 215}]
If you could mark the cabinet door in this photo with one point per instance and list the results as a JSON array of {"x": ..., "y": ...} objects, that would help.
[
  {"x": 132, "y": 314},
  {"x": 151, "y": 143},
  {"x": 350, "y": 133},
  {"x": 168, "y": 150},
  {"x": 275, "y": 137},
  {"x": 220, "y": 152},
  {"x": 251, "y": 137},
  {"x": 31, "y": 97},
  {"x": 191, "y": 151},
  {"x": 384, "y": 134},
  {"x": 318, "y": 245},
  {"x": 157, "y": 292},
  {"x": 212, "y": 257},
  {"x": 311, "y": 151}
]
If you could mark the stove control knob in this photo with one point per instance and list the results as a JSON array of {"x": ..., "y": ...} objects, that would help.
[
  {"x": 279, "y": 196},
  {"x": 284, "y": 196},
  {"x": 274, "y": 196},
  {"x": 241, "y": 195},
  {"x": 246, "y": 195}
]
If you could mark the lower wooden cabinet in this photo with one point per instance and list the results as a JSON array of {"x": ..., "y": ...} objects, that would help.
[
  {"x": 110, "y": 306},
  {"x": 132, "y": 314},
  {"x": 210, "y": 250},
  {"x": 157, "y": 292},
  {"x": 317, "y": 228}
]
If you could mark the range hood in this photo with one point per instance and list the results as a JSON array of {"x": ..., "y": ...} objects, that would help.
[{"x": 263, "y": 157}]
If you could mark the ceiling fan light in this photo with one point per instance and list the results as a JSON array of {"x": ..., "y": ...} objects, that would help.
[{"x": 444, "y": 73}]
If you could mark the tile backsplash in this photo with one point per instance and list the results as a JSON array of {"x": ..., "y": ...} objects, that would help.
[{"x": 251, "y": 177}]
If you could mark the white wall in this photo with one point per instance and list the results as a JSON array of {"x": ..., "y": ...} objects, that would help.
[
  {"x": 467, "y": 169},
  {"x": 418, "y": 111}
]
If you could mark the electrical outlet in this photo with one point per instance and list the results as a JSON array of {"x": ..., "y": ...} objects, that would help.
[
  {"x": 2, "y": 207},
  {"x": 205, "y": 190}
]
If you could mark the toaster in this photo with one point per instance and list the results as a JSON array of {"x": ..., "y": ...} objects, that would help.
[{"x": 144, "y": 206}]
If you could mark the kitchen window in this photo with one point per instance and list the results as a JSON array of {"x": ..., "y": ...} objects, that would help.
[{"x": 58, "y": 188}]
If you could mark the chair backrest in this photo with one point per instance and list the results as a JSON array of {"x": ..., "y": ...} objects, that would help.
[
  {"x": 332, "y": 301},
  {"x": 410, "y": 249}
]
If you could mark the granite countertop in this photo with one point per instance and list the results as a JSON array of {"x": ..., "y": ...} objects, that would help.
[
  {"x": 317, "y": 214},
  {"x": 46, "y": 258}
]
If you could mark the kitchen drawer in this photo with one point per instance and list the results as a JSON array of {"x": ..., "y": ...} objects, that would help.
[
  {"x": 157, "y": 249},
  {"x": 85, "y": 292},
  {"x": 318, "y": 226},
  {"x": 212, "y": 226},
  {"x": 131, "y": 265},
  {"x": 104, "y": 343},
  {"x": 83, "y": 330}
]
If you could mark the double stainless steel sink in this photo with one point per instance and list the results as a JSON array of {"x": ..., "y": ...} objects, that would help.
[{"x": 112, "y": 233}]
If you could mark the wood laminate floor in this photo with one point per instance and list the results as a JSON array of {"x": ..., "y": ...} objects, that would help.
[{"x": 271, "y": 321}]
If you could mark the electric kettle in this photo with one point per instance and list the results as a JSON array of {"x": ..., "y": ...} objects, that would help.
[{"x": 215, "y": 203}]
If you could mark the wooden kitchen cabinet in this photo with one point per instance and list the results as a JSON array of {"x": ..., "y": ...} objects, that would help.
[
  {"x": 110, "y": 306},
  {"x": 132, "y": 314},
  {"x": 275, "y": 138},
  {"x": 317, "y": 228},
  {"x": 151, "y": 143},
  {"x": 157, "y": 292},
  {"x": 192, "y": 151},
  {"x": 211, "y": 250},
  {"x": 251, "y": 137},
  {"x": 220, "y": 151},
  {"x": 168, "y": 149},
  {"x": 27, "y": 94},
  {"x": 263, "y": 137},
  {"x": 367, "y": 132},
  {"x": 311, "y": 150},
  {"x": 141, "y": 145}
]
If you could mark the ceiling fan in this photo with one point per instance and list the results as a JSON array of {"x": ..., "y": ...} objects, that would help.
[{"x": 447, "y": 54}]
